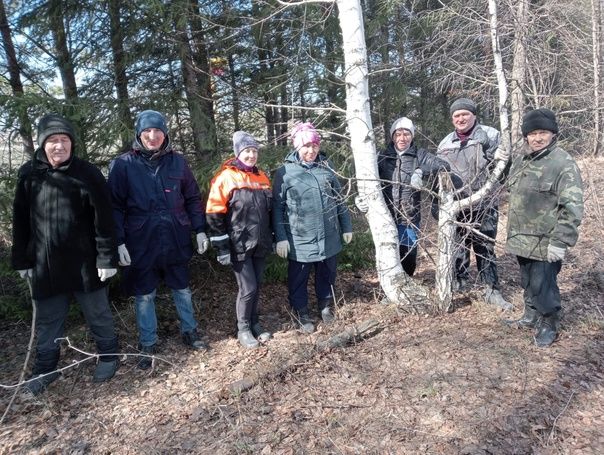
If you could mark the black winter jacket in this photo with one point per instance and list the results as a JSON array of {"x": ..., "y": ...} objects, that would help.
[
  {"x": 402, "y": 199},
  {"x": 62, "y": 226}
]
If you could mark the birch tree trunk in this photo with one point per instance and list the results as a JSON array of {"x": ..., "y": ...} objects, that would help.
[{"x": 397, "y": 285}]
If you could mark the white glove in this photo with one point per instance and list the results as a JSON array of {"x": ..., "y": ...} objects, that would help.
[
  {"x": 347, "y": 236},
  {"x": 122, "y": 251},
  {"x": 224, "y": 259},
  {"x": 202, "y": 243},
  {"x": 283, "y": 248},
  {"x": 26, "y": 274},
  {"x": 555, "y": 253},
  {"x": 501, "y": 154},
  {"x": 416, "y": 179},
  {"x": 105, "y": 274},
  {"x": 361, "y": 204}
]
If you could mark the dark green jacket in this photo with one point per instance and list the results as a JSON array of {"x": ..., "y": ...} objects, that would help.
[
  {"x": 545, "y": 204},
  {"x": 308, "y": 209}
]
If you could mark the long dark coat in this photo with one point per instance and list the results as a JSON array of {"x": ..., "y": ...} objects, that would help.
[{"x": 62, "y": 226}]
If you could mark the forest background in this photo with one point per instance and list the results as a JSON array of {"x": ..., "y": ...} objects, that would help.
[{"x": 213, "y": 67}]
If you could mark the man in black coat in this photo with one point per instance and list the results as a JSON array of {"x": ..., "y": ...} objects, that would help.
[{"x": 64, "y": 245}]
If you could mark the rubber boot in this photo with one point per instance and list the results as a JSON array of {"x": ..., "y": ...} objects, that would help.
[
  {"x": 145, "y": 362},
  {"x": 193, "y": 341},
  {"x": 105, "y": 370},
  {"x": 492, "y": 296},
  {"x": 547, "y": 330},
  {"x": 325, "y": 306},
  {"x": 528, "y": 320},
  {"x": 247, "y": 340},
  {"x": 305, "y": 321},
  {"x": 43, "y": 373}
]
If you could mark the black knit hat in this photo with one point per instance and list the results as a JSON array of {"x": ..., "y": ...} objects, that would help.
[
  {"x": 463, "y": 104},
  {"x": 150, "y": 119},
  {"x": 53, "y": 124},
  {"x": 539, "y": 119}
]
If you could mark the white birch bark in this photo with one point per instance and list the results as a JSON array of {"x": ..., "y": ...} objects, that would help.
[{"x": 397, "y": 285}]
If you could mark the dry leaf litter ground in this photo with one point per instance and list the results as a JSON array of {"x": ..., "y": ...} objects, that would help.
[{"x": 460, "y": 383}]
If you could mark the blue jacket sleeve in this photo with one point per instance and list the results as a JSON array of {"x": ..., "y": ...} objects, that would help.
[{"x": 279, "y": 206}]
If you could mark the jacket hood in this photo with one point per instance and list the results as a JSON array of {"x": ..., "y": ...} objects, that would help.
[
  {"x": 41, "y": 160},
  {"x": 166, "y": 147}
]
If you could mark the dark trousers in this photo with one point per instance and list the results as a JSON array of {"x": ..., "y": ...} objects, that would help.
[
  {"x": 248, "y": 274},
  {"x": 297, "y": 281},
  {"x": 408, "y": 258},
  {"x": 539, "y": 279},
  {"x": 50, "y": 324},
  {"x": 484, "y": 250}
]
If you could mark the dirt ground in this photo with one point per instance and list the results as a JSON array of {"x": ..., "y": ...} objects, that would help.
[{"x": 460, "y": 383}]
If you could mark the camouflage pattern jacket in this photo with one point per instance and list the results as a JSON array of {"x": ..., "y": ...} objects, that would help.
[{"x": 545, "y": 204}]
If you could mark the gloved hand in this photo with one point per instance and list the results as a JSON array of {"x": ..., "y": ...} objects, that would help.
[
  {"x": 203, "y": 243},
  {"x": 361, "y": 204},
  {"x": 105, "y": 274},
  {"x": 555, "y": 253},
  {"x": 501, "y": 154},
  {"x": 347, "y": 236},
  {"x": 26, "y": 274},
  {"x": 122, "y": 251},
  {"x": 224, "y": 259},
  {"x": 416, "y": 179},
  {"x": 283, "y": 248}
]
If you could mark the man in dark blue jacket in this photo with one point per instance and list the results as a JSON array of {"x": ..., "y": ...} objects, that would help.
[{"x": 156, "y": 206}]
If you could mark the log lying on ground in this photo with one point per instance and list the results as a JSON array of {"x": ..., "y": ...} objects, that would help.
[{"x": 354, "y": 334}]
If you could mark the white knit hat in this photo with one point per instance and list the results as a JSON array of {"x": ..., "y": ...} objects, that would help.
[{"x": 402, "y": 122}]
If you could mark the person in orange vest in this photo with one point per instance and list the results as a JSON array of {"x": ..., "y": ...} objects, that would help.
[{"x": 238, "y": 216}]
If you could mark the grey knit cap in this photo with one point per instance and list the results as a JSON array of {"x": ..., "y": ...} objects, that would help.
[
  {"x": 243, "y": 140},
  {"x": 53, "y": 124},
  {"x": 463, "y": 104}
]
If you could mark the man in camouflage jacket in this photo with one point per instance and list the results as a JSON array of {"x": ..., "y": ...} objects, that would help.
[{"x": 545, "y": 210}]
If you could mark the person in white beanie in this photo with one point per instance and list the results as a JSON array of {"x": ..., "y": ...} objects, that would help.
[{"x": 402, "y": 166}]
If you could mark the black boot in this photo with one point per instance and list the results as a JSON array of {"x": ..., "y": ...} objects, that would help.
[
  {"x": 105, "y": 370},
  {"x": 43, "y": 373},
  {"x": 145, "y": 361},
  {"x": 108, "y": 362},
  {"x": 325, "y": 306},
  {"x": 305, "y": 321},
  {"x": 528, "y": 320},
  {"x": 547, "y": 330},
  {"x": 192, "y": 340}
]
